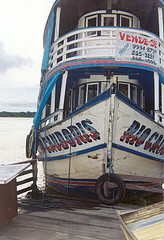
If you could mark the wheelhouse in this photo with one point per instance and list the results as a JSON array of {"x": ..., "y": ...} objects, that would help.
[{"x": 121, "y": 44}]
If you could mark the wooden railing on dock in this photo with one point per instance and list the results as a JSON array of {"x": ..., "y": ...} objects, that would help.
[{"x": 25, "y": 179}]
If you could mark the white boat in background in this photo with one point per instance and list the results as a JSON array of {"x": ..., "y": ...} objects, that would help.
[{"x": 100, "y": 119}]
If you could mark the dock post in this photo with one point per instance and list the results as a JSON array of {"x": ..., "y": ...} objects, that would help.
[{"x": 35, "y": 170}]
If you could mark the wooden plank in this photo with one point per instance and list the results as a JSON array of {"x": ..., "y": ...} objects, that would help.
[
  {"x": 141, "y": 178},
  {"x": 128, "y": 237},
  {"x": 8, "y": 202},
  {"x": 24, "y": 190},
  {"x": 150, "y": 233},
  {"x": 143, "y": 213},
  {"x": 128, "y": 234},
  {"x": 71, "y": 220},
  {"x": 26, "y": 172},
  {"x": 25, "y": 181},
  {"x": 26, "y": 161},
  {"x": 145, "y": 188},
  {"x": 9, "y": 172}
]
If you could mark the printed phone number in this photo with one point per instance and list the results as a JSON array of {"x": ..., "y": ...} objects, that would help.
[{"x": 137, "y": 53}]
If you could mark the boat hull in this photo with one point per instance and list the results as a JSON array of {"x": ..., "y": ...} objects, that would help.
[{"x": 92, "y": 139}]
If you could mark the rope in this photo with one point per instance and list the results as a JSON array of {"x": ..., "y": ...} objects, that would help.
[{"x": 44, "y": 203}]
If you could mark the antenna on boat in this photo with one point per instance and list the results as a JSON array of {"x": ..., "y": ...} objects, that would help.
[{"x": 109, "y": 5}]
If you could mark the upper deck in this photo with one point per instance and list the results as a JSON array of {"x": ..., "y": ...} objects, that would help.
[
  {"x": 77, "y": 30},
  {"x": 123, "y": 37}
]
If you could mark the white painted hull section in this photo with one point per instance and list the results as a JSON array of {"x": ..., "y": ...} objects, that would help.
[{"x": 86, "y": 159}]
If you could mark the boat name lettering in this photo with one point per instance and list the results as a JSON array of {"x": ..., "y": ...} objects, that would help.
[
  {"x": 137, "y": 135},
  {"x": 138, "y": 39},
  {"x": 72, "y": 136}
]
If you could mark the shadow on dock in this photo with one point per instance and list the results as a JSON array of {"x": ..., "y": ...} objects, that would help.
[{"x": 70, "y": 219}]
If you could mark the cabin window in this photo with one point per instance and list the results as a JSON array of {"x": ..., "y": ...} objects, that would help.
[
  {"x": 108, "y": 20},
  {"x": 142, "y": 99},
  {"x": 75, "y": 92},
  {"x": 124, "y": 88},
  {"x": 81, "y": 96},
  {"x": 48, "y": 106},
  {"x": 134, "y": 90},
  {"x": 57, "y": 94},
  {"x": 104, "y": 86},
  {"x": 92, "y": 91},
  {"x": 92, "y": 22},
  {"x": 125, "y": 21}
]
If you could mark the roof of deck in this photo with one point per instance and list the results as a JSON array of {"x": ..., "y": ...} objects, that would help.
[{"x": 72, "y": 10}]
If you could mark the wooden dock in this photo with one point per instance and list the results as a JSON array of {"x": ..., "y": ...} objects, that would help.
[{"x": 68, "y": 219}]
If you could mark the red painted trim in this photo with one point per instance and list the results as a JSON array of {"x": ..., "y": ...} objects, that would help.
[{"x": 94, "y": 61}]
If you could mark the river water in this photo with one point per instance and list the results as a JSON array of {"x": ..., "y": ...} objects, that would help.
[{"x": 13, "y": 132}]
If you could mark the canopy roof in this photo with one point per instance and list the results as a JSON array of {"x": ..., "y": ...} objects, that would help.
[{"x": 72, "y": 10}]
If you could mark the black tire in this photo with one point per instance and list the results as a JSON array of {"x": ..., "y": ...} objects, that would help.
[
  {"x": 28, "y": 146},
  {"x": 110, "y": 189}
]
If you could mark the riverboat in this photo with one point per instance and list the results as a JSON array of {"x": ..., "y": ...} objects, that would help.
[{"x": 99, "y": 126}]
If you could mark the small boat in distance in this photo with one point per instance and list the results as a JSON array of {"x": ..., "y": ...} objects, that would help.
[{"x": 99, "y": 126}]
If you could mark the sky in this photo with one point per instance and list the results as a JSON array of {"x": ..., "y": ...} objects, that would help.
[{"x": 22, "y": 25}]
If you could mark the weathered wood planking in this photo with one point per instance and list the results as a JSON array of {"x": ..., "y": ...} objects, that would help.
[
  {"x": 73, "y": 220},
  {"x": 145, "y": 223},
  {"x": 143, "y": 213}
]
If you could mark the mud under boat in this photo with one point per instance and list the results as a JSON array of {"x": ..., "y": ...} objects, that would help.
[{"x": 100, "y": 118}]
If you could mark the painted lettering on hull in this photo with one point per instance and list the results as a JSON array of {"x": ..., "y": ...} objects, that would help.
[
  {"x": 138, "y": 135},
  {"x": 74, "y": 135}
]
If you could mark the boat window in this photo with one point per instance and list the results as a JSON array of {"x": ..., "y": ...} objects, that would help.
[
  {"x": 134, "y": 90},
  {"x": 48, "y": 105},
  {"x": 57, "y": 97},
  {"x": 104, "y": 86},
  {"x": 125, "y": 21},
  {"x": 75, "y": 98},
  {"x": 108, "y": 20},
  {"x": 81, "y": 96},
  {"x": 92, "y": 91},
  {"x": 142, "y": 99},
  {"x": 68, "y": 101},
  {"x": 92, "y": 22},
  {"x": 124, "y": 88}
]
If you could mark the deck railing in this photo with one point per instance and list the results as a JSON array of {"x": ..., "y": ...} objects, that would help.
[
  {"x": 101, "y": 42},
  {"x": 160, "y": 117},
  {"x": 27, "y": 177}
]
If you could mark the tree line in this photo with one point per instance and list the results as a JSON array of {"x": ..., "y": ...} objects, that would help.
[{"x": 17, "y": 114}]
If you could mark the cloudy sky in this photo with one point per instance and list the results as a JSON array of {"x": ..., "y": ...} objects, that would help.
[{"x": 21, "y": 49}]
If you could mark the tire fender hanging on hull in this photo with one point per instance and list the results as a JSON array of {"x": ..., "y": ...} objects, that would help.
[{"x": 110, "y": 189}]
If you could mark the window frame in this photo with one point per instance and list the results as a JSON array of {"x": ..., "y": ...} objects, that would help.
[
  {"x": 128, "y": 84},
  {"x": 126, "y": 17},
  {"x": 89, "y": 84},
  {"x": 109, "y": 15}
]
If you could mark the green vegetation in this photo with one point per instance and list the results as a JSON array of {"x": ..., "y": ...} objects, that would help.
[{"x": 17, "y": 114}]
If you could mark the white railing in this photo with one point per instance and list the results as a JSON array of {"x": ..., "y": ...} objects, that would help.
[
  {"x": 159, "y": 116},
  {"x": 95, "y": 42}
]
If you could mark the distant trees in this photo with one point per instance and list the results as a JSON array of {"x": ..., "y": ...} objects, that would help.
[{"x": 17, "y": 114}]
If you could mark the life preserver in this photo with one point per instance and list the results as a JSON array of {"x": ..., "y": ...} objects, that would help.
[{"x": 110, "y": 189}]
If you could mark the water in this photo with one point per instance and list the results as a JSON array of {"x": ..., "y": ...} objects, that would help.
[{"x": 13, "y": 132}]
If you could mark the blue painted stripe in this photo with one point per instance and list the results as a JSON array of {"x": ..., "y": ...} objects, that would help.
[
  {"x": 86, "y": 150},
  {"x": 136, "y": 152},
  {"x": 72, "y": 179}
]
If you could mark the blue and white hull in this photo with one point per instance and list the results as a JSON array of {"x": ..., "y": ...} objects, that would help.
[{"x": 101, "y": 100}]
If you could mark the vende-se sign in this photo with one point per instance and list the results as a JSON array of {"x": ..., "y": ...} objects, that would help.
[{"x": 137, "y": 47}]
